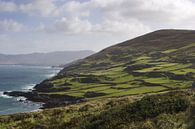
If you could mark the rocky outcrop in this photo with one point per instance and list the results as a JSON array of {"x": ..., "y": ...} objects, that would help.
[
  {"x": 49, "y": 100},
  {"x": 193, "y": 85},
  {"x": 91, "y": 94}
]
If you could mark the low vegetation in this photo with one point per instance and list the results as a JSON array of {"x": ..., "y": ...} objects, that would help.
[{"x": 160, "y": 111}]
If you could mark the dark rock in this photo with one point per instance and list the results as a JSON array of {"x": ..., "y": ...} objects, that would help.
[
  {"x": 147, "y": 83},
  {"x": 193, "y": 85},
  {"x": 132, "y": 68},
  {"x": 89, "y": 79},
  {"x": 67, "y": 84},
  {"x": 156, "y": 55},
  {"x": 44, "y": 86},
  {"x": 156, "y": 74},
  {"x": 91, "y": 94},
  {"x": 49, "y": 100}
]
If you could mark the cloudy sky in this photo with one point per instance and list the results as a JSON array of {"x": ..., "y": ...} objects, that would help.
[{"x": 51, "y": 25}]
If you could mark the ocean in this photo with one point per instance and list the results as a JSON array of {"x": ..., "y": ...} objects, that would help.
[{"x": 21, "y": 78}]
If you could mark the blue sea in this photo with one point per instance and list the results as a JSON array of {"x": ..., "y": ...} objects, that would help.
[{"x": 21, "y": 78}]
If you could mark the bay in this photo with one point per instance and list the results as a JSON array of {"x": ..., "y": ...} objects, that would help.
[{"x": 21, "y": 78}]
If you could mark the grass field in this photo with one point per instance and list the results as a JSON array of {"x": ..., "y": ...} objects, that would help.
[{"x": 144, "y": 74}]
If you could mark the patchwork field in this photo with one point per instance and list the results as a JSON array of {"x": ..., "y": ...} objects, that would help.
[{"x": 138, "y": 74}]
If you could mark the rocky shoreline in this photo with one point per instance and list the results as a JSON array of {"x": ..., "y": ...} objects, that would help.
[{"x": 48, "y": 100}]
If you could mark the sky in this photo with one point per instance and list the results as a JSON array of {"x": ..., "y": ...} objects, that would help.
[{"x": 57, "y": 25}]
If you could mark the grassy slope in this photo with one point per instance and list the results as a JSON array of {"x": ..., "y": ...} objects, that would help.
[
  {"x": 159, "y": 61},
  {"x": 118, "y": 76},
  {"x": 172, "y": 111}
]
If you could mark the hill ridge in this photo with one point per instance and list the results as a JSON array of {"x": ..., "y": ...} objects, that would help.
[{"x": 166, "y": 63}]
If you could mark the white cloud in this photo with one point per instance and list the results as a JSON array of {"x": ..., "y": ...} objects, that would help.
[
  {"x": 11, "y": 25},
  {"x": 34, "y": 7},
  {"x": 76, "y": 8},
  {"x": 67, "y": 26},
  {"x": 115, "y": 16},
  {"x": 121, "y": 16},
  {"x": 131, "y": 27},
  {"x": 39, "y": 7},
  {"x": 73, "y": 25},
  {"x": 76, "y": 24},
  {"x": 152, "y": 11},
  {"x": 168, "y": 11},
  {"x": 7, "y": 6}
]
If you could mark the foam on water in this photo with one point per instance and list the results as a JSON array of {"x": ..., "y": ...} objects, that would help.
[
  {"x": 3, "y": 95},
  {"x": 55, "y": 71},
  {"x": 50, "y": 75},
  {"x": 21, "y": 78},
  {"x": 20, "y": 98},
  {"x": 28, "y": 87}
]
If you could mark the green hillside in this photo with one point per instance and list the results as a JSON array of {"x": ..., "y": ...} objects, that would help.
[
  {"x": 160, "y": 61},
  {"x": 144, "y": 83}
]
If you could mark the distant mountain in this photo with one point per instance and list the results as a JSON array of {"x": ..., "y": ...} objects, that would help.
[{"x": 46, "y": 59}]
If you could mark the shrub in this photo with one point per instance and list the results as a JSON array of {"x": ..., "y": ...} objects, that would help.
[{"x": 147, "y": 107}]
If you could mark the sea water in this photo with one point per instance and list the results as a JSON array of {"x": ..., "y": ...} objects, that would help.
[{"x": 21, "y": 78}]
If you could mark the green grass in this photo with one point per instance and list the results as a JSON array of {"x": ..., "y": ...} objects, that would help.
[
  {"x": 184, "y": 71},
  {"x": 142, "y": 59},
  {"x": 157, "y": 80},
  {"x": 169, "y": 51},
  {"x": 115, "y": 81},
  {"x": 188, "y": 46},
  {"x": 123, "y": 78},
  {"x": 139, "y": 90}
]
